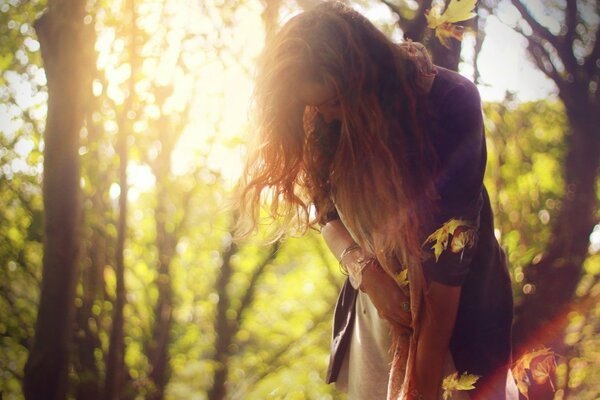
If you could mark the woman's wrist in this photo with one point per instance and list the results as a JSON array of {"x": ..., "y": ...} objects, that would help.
[
  {"x": 352, "y": 262},
  {"x": 336, "y": 237}
]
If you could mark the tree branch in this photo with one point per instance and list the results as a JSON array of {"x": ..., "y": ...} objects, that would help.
[
  {"x": 538, "y": 29},
  {"x": 251, "y": 289},
  {"x": 402, "y": 20},
  {"x": 591, "y": 64},
  {"x": 542, "y": 59},
  {"x": 570, "y": 37}
]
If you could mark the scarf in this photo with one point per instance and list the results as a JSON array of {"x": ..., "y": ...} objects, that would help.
[{"x": 401, "y": 383}]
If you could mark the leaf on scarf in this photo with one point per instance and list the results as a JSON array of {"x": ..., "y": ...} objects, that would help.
[
  {"x": 402, "y": 278},
  {"x": 441, "y": 236},
  {"x": 443, "y": 23},
  {"x": 541, "y": 363},
  {"x": 453, "y": 382}
]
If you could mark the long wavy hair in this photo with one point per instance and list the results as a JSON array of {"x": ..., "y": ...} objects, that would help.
[{"x": 374, "y": 166}]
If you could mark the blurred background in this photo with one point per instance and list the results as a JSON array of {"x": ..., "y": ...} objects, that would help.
[{"x": 123, "y": 126}]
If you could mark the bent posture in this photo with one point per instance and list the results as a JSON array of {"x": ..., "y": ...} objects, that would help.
[{"x": 386, "y": 153}]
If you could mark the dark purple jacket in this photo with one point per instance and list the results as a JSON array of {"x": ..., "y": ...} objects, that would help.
[{"x": 481, "y": 340}]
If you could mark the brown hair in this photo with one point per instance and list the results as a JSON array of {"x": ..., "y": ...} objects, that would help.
[{"x": 376, "y": 164}]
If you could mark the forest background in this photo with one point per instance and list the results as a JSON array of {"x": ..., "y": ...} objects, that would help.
[{"x": 123, "y": 124}]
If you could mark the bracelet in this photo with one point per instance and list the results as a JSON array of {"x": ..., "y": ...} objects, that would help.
[
  {"x": 356, "y": 272},
  {"x": 357, "y": 263},
  {"x": 348, "y": 250}
]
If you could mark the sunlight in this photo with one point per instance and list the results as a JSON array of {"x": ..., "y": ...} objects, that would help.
[
  {"x": 217, "y": 85},
  {"x": 220, "y": 103}
]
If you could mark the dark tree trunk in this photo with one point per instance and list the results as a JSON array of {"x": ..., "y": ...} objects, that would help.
[
  {"x": 115, "y": 362},
  {"x": 158, "y": 347},
  {"x": 116, "y": 371},
  {"x": 444, "y": 57},
  {"x": 166, "y": 241},
  {"x": 87, "y": 341},
  {"x": 66, "y": 49},
  {"x": 86, "y": 338},
  {"x": 416, "y": 29}
]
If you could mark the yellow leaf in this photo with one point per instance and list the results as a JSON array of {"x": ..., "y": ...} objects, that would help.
[
  {"x": 459, "y": 10},
  {"x": 452, "y": 383},
  {"x": 461, "y": 240},
  {"x": 434, "y": 16},
  {"x": 543, "y": 369},
  {"x": 448, "y": 385},
  {"x": 525, "y": 360},
  {"x": 440, "y": 237},
  {"x": 541, "y": 363},
  {"x": 402, "y": 278},
  {"x": 443, "y": 23}
]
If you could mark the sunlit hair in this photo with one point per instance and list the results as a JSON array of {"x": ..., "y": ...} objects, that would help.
[{"x": 375, "y": 165}]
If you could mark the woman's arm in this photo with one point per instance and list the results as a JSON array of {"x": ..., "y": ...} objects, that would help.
[
  {"x": 336, "y": 237},
  {"x": 436, "y": 329},
  {"x": 382, "y": 290}
]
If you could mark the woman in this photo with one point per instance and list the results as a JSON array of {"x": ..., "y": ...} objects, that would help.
[{"x": 386, "y": 153}]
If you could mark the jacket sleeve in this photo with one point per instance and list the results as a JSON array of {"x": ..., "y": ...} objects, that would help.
[{"x": 459, "y": 142}]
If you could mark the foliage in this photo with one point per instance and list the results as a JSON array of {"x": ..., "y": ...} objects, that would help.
[
  {"x": 443, "y": 23},
  {"x": 523, "y": 176}
]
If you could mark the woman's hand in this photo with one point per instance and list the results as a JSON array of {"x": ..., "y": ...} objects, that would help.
[{"x": 387, "y": 297}]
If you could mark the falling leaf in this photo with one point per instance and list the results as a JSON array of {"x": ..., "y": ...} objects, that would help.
[
  {"x": 541, "y": 363},
  {"x": 441, "y": 236},
  {"x": 452, "y": 383},
  {"x": 443, "y": 23}
]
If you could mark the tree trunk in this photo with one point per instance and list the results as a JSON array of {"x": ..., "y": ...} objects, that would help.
[
  {"x": 158, "y": 347},
  {"x": 87, "y": 340},
  {"x": 166, "y": 242},
  {"x": 542, "y": 316},
  {"x": 66, "y": 49},
  {"x": 115, "y": 362},
  {"x": 116, "y": 371},
  {"x": 416, "y": 29}
]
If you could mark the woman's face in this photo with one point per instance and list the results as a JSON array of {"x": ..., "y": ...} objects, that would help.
[{"x": 323, "y": 98}]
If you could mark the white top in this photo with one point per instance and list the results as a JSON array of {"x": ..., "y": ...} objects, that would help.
[{"x": 366, "y": 366}]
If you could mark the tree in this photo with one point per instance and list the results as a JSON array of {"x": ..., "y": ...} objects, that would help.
[
  {"x": 569, "y": 56},
  {"x": 67, "y": 50}
]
